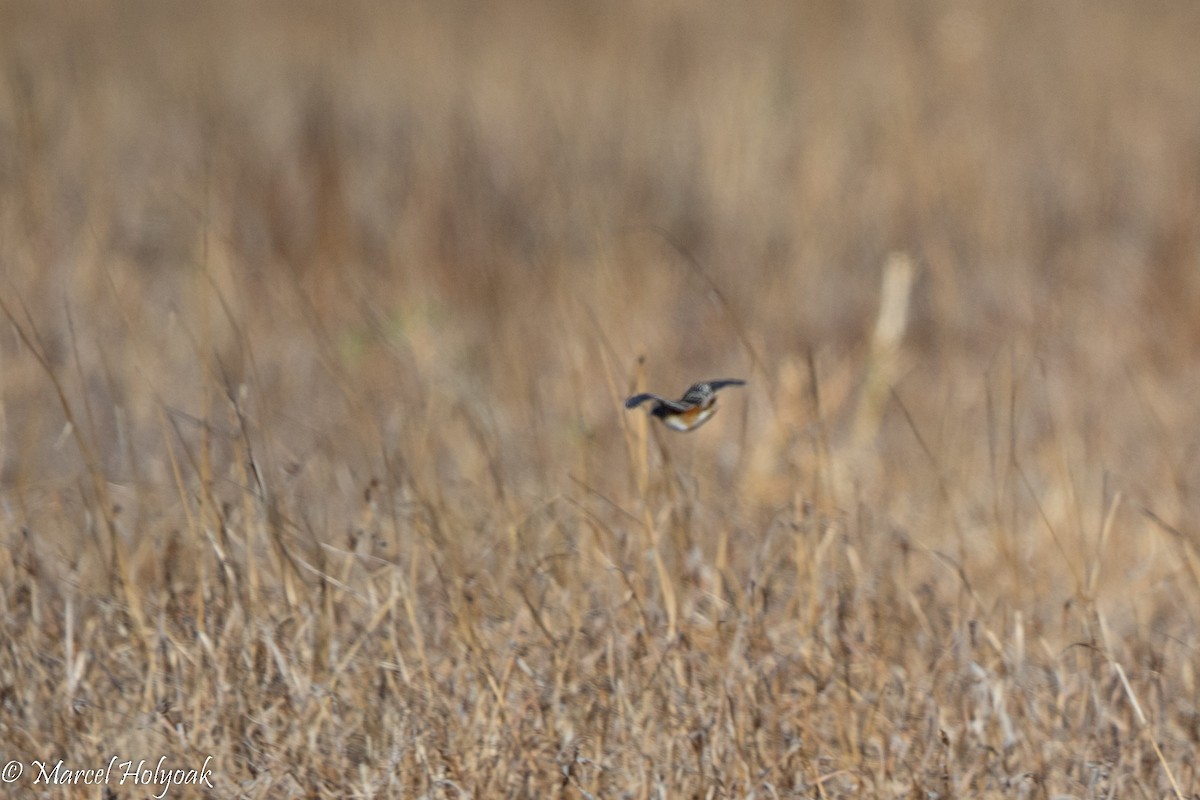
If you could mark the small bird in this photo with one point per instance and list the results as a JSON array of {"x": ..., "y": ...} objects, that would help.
[{"x": 689, "y": 412}]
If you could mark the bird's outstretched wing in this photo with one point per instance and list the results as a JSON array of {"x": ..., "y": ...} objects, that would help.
[
  {"x": 661, "y": 404},
  {"x": 721, "y": 384},
  {"x": 638, "y": 399}
]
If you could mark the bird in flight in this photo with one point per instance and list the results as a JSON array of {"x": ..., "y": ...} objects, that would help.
[{"x": 689, "y": 412}]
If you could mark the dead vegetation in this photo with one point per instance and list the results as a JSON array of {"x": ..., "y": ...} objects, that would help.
[{"x": 316, "y": 324}]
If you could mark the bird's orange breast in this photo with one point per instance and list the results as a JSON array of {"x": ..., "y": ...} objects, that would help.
[{"x": 692, "y": 418}]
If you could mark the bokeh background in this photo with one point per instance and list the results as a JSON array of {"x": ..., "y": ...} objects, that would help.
[{"x": 375, "y": 277}]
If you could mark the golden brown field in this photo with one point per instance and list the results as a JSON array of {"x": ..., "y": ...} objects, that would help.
[{"x": 315, "y": 324}]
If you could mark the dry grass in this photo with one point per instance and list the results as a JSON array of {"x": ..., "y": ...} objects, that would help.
[{"x": 316, "y": 323}]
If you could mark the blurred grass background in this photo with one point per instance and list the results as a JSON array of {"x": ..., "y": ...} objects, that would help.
[{"x": 341, "y": 301}]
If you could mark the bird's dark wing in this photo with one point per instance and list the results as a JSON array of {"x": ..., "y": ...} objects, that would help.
[
  {"x": 721, "y": 384},
  {"x": 666, "y": 406},
  {"x": 638, "y": 399}
]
